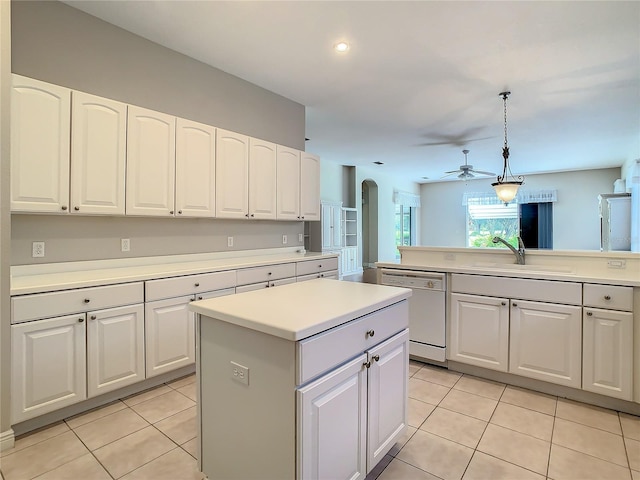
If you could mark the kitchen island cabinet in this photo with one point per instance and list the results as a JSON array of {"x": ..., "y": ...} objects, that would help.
[{"x": 308, "y": 380}]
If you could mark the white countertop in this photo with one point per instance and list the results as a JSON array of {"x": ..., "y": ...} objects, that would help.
[
  {"x": 567, "y": 266},
  {"x": 64, "y": 276},
  {"x": 299, "y": 310}
]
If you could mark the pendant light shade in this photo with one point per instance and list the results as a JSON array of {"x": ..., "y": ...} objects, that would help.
[{"x": 506, "y": 188}]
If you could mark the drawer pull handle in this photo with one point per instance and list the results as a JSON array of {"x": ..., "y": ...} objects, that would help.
[
  {"x": 87, "y": 300},
  {"x": 370, "y": 333},
  {"x": 589, "y": 314},
  {"x": 503, "y": 303},
  {"x": 607, "y": 297},
  {"x": 197, "y": 284},
  {"x": 80, "y": 320}
]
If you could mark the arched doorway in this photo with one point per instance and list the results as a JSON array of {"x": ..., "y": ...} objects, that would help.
[{"x": 369, "y": 229}]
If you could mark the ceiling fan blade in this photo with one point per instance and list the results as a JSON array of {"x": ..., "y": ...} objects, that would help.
[
  {"x": 453, "y": 171},
  {"x": 449, "y": 174},
  {"x": 432, "y": 144},
  {"x": 481, "y": 172}
]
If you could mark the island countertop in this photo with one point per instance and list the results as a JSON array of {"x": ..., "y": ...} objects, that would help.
[{"x": 299, "y": 310}]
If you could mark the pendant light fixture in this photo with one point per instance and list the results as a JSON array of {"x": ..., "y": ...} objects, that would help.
[{"x": 506, "y": 188}]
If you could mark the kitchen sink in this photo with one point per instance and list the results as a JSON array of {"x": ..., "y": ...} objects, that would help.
[{"x": 514, "y": 267}]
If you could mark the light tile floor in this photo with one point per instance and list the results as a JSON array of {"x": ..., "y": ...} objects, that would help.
[{"x": 461, "y": 427}]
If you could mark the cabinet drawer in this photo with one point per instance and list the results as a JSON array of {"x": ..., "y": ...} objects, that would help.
[
  {"x": 325, "y": 350},
  {"x": 329, "y": 274},
  {"x": 315, "y": 266},
  {"x": 45, "y": 305},
  {"x": 263, "y": 274},
  {"x": 608, "y": 296},
  {"x": 567, "y": 293},
  {"x": 189, "y": 284}
]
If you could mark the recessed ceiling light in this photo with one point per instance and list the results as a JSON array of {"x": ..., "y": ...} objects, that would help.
[{"x": 341, "y": 47}]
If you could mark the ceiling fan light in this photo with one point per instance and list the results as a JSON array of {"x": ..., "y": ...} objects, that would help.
[{"x": 506, "y": 191}]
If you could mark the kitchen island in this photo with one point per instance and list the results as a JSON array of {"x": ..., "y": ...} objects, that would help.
[{"x": 308, "y": 380}]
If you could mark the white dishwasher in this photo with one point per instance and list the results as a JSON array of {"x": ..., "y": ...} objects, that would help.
[{"x": 427, "y": 331}]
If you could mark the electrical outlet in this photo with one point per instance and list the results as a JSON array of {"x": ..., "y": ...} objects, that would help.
[
  {"x": 229, "y": 241},
  {"x": 300, "y": 238},
  {"x": 125, "y": 244},
  {"x": 239, "y": 373},
  {"x": 284, "y": 239},
  {"x": 37, "y": 249}
]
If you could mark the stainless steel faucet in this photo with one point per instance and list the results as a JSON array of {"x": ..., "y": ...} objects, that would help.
[{"x": 519, "y": 253}]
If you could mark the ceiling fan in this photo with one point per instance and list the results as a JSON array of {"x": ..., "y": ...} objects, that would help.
[
  {"x": 459, "y": 140},
  {"x": 466, "y": 171}
]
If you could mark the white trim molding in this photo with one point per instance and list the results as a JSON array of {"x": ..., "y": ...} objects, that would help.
[{"x": 7, "y": 440}]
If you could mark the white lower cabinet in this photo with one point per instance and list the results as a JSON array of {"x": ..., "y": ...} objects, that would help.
[
  {"x": 546, "y": 342},
  {"x": 607, "y": 352},
  {"x": 170, "y": 332},
  {"x": 350, "y": 417},
  {"x": 480, "y": 331},
  {"x": 48, "y": 366},
  {"x": 332, "y": 420},
  {"x": 115, "y": 348}
]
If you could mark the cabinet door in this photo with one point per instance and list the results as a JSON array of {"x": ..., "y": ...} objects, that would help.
[
  {"x": 98, "y": 154},
  {"x": 309, "y": 186},
  {"x": 40, "y": 129},
  {"x": 546, "y": 342},
  {"x": 387, "y": 396},
  {"x": 169, "y": 335},
  {"x": 607, "y": 352},
  {"x": 480, "y": 331},
  {"x": 47, "y": 365},
  {"x": 232, "y": 174},
  {"x": 115, "y": 348},
  {"x": 195, "y": 169},
  {"x": 151, "y": 154},
  {"x": 288, "y": 184},
  {"x": 331, "y": 424},
  {"x": 262, "y": 179}
]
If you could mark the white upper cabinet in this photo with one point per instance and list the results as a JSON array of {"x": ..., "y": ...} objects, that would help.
[
  {"x": 288, "y": 184},
  {"x": 150, "y": 162},
  {"x": 262, "y": 179},
  {"x": 232, "y": 174},
  {"x": 309, "y": 186},
  {"x": 195, "y": 169},
  {"x": 40, "y": 129},
  {"x": 98, "y": 155}
]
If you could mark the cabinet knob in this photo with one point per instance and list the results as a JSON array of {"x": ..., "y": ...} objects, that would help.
[
  {"x": 199, "y": 297},
  {"x": 503, "y": 303},
  {"x": 273, "y": 284},
  {"x": 607, "y": 297},
  {"x": 64, "y": 207},
  {"x": 370, "y": 333},
  {"x": 376, "y": 358},
  {"x": 93, "y": 317},
  {"x": 76, "y": 209},
  {"x": 179, "y": 212},
  {"x": 170, "y": 212},
  {"x": 515, "y": 304},
  {"x": 320, "y": 266},
  {"x": 589, "y": 314},
  {"x": 197, "y": 284},
  {"x": 268, "y": 273},
  {"x": 80, "y": 320},
  {"x": 302, "y": 217},
  {"x": 321, "y": 275},
  {"x": 87, "y": 300},
  {"x": 246, "y": 215},
  {"x": 252, "y": 215}
]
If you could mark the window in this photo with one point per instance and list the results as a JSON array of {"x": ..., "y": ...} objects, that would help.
[
  {"x": 532, "y": 220},
  {"x": 404, "y": 226}
]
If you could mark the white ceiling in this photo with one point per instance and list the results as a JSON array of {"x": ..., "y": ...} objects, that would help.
[{"x": 426, "y": 72}]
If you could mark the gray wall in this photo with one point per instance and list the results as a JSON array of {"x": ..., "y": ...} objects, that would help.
[
  {"x": 576, "y": 222},
  {"x": 59, "y": 44},
  {"x": 5, "y": 224}
]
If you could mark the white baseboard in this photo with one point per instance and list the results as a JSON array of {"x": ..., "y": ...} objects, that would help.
[{"x": 7, "y": 440}]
